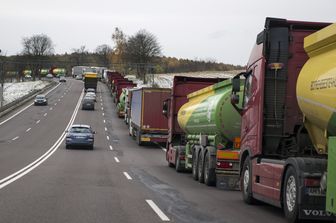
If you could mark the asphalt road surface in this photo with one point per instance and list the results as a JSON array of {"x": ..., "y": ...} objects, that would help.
[{"x": 41, "y": 181}]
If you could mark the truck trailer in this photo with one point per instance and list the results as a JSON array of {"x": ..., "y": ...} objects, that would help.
[
  {"x": 287, "y": 116},
  {"x": 90, "y": 80},
  {"x": 211, "y": 123},
  {"x": 148, "y": 124},
  {"x": 182, "y": 86}
]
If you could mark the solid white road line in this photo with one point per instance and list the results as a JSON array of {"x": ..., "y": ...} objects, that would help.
[
  {"x": 15, "y": 138},
  {"x": 107, "y": 137},
  {"x": 6, "y": 120},
  {"x": 28, "y": 130},
  {"x": 111, "y": 148},
  {"x": 157, "y": 210},
  {"x": 127, "y": 176},
  {"x": 45, "y": 114},
  {"x": 116, "y": 159},
  {"x": 38, "y": 121},
  {"x": 17, "y": 175}
]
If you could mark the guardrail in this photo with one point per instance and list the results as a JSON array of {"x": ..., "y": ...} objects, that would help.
[{"x": 20, "y": 101}]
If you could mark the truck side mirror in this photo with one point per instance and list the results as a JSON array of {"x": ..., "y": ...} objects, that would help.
[
  {"x": 236, "y": 84},
  {"x": 165, "y": 108}
]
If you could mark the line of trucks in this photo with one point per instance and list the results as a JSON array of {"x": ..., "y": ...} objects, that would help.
[{"x": 268, "y": 131}]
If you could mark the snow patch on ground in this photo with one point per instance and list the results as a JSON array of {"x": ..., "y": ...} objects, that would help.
[{"x": 13, "y": 91}]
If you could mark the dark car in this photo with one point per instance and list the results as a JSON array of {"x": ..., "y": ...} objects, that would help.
[
  {"x": 40, "y": 100},
  {"x": 88, "y": 103},
  {"x": 80, "y": 136}
]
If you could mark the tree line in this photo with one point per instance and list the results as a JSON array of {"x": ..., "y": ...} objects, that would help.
[{"x": 138, "y": 54}]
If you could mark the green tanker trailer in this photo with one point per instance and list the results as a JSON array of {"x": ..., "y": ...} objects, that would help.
[
  {"x": 121, "y": 103},
  {"x": 212, "y": 127}
]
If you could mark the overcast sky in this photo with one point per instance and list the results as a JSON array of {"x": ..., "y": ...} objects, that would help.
[{"x": 223, "y": 30}]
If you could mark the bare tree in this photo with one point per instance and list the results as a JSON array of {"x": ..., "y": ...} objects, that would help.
[
  {"x": 142, "y": 48},
  {"x": 36, "y": 48},
  {"x": 78, "y": 55},
  {"x": 104, "y": 54}
]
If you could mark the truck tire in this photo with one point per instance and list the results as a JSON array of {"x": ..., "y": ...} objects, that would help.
[
  {"x": 200, "y": 168},
  {"x": 195, "y": 165},
  {"x": 178, "y": 166},
  {"x": 290, "y": 195},
  {"x": 246, "y": 182},
  {"x": 209, "y": 173}
]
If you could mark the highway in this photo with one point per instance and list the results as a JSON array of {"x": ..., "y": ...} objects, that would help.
[{"x": 119, "y": 181}]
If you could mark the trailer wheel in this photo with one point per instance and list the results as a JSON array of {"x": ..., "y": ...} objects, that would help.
[
  {"x": 200, "y": 168},
  {"x": 178, "y": 166},
  {"x": 209, "y": 173},
  {"x": 194, "y": 165},
  {"x": 290, "y": 195},
  {"x": 246, "y": 182}
]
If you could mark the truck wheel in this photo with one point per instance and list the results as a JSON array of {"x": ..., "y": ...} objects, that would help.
[
  {"x": 178, "y": 166},
  {"x": 290, "y": 195},
  {"x": 246, "y": 182},
  {"x": 209, "y": 173},
  {"x": 195, "y": 165},
  {"x": 200, "y": 168}
]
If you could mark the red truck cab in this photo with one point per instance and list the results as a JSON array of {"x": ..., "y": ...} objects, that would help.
[{"x": 278, "y": 163}]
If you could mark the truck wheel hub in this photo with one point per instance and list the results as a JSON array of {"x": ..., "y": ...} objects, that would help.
[
  {"x": 246, "y": 180},
  {"x": 291, "y": 193}
]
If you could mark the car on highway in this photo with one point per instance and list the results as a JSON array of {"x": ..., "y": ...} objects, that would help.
[
  {"x": 92, "y": 95},
  {"x": 80, "y": 135},
  {"x": 91, "y": 90},
  {"x": 41, "y": 100},
  {"x": 50, "y": 76},
  {"x": 88, "y": 103},
  {"x": 62, "y": 79}
]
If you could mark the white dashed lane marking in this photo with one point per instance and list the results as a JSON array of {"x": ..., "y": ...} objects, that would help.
[
  {"x": 38, "y": 121},
  {"x": 107, "y": 137},
  {"x": 15, "y": 138},
  {"x": 116, "y": 159},
  {"x": 127, "y": 176},
  {"x": 157, "y": 210},
  {"x": 28, "y": 129},
  {"x": 111, "y": 148}
]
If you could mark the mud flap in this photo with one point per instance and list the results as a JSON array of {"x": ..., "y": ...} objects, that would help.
[
  {"x": 227, "y": 182},
  {"x": 331, "y": 176}
]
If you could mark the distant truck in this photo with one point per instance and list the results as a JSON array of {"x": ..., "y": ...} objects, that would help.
[
  {"x": 90, "y": 80},
  {"x": 78, "y": 71},
  {"x": 147, "y": 121}
]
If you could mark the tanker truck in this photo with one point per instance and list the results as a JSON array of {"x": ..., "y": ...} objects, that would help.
[
  {"x": 211, "y": 123},
  {"x": 288, "y": 118}
]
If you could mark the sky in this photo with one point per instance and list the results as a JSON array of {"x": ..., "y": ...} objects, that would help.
[{"x": 220, "y": 30}]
